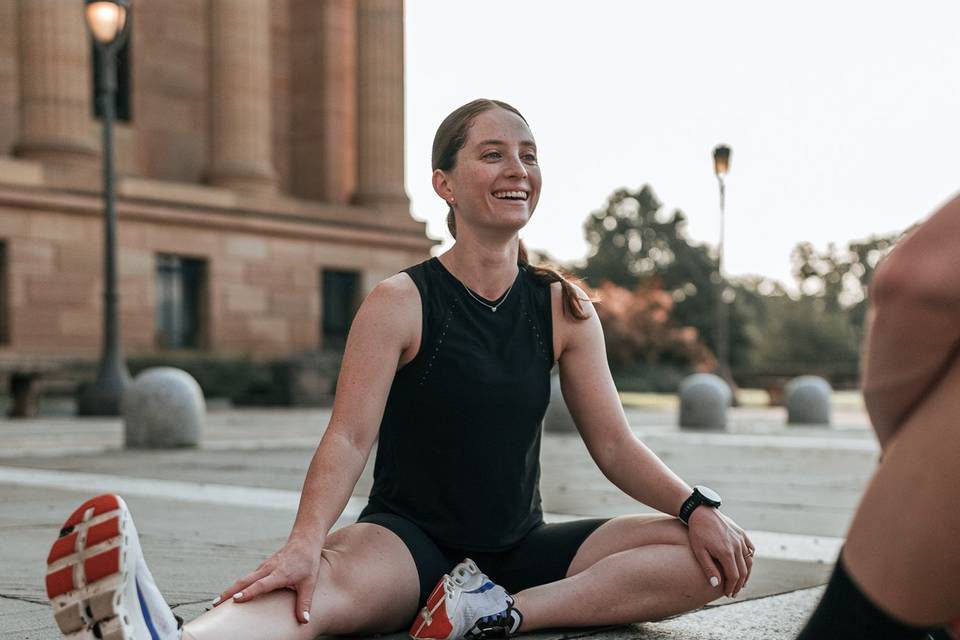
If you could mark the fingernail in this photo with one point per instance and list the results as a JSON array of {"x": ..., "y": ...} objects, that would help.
[
  {"x": 215, "y": 602},
  {"x": 238, "y": 595},
  {"x": 306, "y": 616},
  {"x": 714, "y": 581}
]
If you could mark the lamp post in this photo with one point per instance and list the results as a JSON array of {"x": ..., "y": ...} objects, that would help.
[
  {"x": 721, "y": 166},
  {"x": 108, "y": 22}
]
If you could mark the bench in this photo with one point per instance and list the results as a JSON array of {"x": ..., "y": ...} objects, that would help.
[{"x": 24, "y": 374}]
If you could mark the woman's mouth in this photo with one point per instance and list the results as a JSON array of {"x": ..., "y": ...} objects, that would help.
[{"x": 517, "y": 196}]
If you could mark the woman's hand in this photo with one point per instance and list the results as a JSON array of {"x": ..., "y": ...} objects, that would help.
[
  {"x": 295, "y": 566},
  {"x": 722, "y": 548}
]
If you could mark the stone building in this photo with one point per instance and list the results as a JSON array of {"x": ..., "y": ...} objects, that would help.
[{"x": 260, "y": 175}]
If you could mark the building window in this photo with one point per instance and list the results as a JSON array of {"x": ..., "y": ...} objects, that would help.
[
  {"x": 122, "y": 99},
  {"x": 340, "y": 295},
  {"x": 181, "y": 294},
  {"x": 4, "y": 298}
]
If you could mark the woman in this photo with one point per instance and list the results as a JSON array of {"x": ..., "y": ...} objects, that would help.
[
  {"x": 897, "y": 575},
  {"x": 449, "y": 362}
]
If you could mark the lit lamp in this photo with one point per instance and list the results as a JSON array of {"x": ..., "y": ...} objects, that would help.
[
  {"x": 721, "y": 161},
  {"x": 721, "y": 165},
  {"x": 108, "y": 22},
  {"x": 106, "y": 19}
]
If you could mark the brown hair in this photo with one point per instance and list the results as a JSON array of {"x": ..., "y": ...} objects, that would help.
[{"x": 450, "y": 138}]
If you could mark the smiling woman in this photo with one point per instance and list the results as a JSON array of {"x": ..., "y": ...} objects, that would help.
[
  {"x": 451, "y": 137},
  {"x": 447, "y": 365}
]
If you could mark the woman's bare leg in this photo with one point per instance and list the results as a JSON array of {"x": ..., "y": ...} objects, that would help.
[
  {"x": 903, "y": 548},
  {"x": 631, "y": 569},
  {"x": 368, "y": 584}
]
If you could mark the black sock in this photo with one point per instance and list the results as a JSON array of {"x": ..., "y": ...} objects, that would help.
[{"x": 845, "y": 613}]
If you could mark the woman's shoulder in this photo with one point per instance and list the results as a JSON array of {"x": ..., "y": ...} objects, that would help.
[
  {"x": 398, "y": 289},
  {"x": 557, "y": 298}
]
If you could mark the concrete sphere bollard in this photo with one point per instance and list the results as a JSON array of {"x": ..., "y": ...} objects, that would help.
[
  {"x": 162, "y": 408},
  {"x": 704, "y": 399},
  {"x": 808, "y": 400},
  {"x": 558, "y": 417}
]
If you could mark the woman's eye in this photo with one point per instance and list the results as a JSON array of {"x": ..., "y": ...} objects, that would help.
[
  {"x": 492, "y": 155},
  {"x": 530, "y": 157}
]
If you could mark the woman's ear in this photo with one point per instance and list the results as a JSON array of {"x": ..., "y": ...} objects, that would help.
[{"x": 441, "y": 184}]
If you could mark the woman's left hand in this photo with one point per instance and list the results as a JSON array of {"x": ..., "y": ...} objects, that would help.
[{"x": 722, "y": 548}]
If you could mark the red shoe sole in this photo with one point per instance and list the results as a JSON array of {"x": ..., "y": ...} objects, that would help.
[
  {"x": 432, "y": 621},
  {"x": 84, "y": 566}
]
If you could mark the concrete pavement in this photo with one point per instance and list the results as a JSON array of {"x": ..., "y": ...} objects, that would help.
[{"x": 209, "y": 515}]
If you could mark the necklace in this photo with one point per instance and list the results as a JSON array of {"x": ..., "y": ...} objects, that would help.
[{"x": 492, "y": 307}]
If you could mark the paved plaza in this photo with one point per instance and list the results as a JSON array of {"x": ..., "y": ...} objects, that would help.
[{"x": 211, "y": 514}]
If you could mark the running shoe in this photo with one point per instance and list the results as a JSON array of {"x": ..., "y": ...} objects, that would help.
[
  {"x": 97, "y": 581},
  {"x": 466, "y": 604}
]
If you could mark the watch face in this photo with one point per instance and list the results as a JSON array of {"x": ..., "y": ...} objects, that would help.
[{"x": 708, "y": 493}]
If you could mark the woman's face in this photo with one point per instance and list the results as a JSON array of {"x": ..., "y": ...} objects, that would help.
[{"x": 496, "y": 180}]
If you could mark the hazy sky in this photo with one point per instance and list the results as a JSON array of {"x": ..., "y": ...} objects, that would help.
[{"x": 844, "y": 117}]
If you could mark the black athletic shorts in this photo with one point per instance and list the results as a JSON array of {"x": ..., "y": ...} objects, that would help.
[{"x": 543, "y": 556}]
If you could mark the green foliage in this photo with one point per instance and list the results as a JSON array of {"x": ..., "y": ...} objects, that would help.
[
  {"x": 802, "y": 336},
  {"x": 635, "y": 242},
  {"x": 841, "y": 277},
  {"x": 820, "y": 331},
  {"x": 644, "y": 250}
]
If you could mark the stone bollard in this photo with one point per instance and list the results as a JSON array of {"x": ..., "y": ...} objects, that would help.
[
  {"x": 558, "y": 417},
  {"x": 163, "y": 408},
  {"x": 704, "y": 399},
  {"x": 808, "y": 400}
]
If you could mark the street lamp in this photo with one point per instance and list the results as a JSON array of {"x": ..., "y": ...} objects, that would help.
[
  {"x": 108, "y": 22},
  {"x": 721, "y": 166}
]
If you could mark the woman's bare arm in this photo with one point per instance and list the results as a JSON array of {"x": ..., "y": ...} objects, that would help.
[
  {"x": 914, "y": 323},
  {"x": 385, "y": 327},
  {"x": 594, "y": 403}
]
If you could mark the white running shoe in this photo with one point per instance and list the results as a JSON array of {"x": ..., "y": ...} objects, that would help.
[
  {"x": 97, "y": 581},
  {"x": 466, "y": 604}
]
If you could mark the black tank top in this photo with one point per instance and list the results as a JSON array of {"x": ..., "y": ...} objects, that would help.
[{"x": 459, "y": 449}]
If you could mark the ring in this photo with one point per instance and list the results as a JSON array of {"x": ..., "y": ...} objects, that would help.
[{"x": 749, "y": 554}]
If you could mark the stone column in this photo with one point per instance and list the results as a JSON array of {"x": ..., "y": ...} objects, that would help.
[
  {"x": 339, "y": 103},
  {"x": 324, "y": 110},
  {"x": 56, "y": 122},
  {"x": 380, "y": 104},
  {"x": 9, "y": 77},
  {"x": 240, "y": 106}
]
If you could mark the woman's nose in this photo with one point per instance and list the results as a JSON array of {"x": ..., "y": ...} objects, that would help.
[{"x": 515, "y": 167}]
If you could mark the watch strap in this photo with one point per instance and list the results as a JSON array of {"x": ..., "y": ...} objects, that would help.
[
  {"x": 691, "y": 503},
  {"x": 696, "y": 499}
]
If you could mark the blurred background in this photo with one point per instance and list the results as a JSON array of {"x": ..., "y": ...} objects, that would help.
[{"x": 272, "y": 165}]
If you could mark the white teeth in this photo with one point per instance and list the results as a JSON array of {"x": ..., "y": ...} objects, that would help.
[{"x": 510, "y": 194}]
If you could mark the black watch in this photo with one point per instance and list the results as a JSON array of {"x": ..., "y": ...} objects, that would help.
[{"x": 701, "y": 496}]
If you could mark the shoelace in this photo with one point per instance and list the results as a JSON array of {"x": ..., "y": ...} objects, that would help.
[
  {"x": 499, "y": 625},
  {"x": 497, "y": 618},
  {"x": 450, "y": 585}
]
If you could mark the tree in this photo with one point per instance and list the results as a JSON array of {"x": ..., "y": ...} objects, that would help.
[
  {"x": 646, "y": 350},
  {"x": 635, "y": 242},
  {"x": 841, "y": 278}
]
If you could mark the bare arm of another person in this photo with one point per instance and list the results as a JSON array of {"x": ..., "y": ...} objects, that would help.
[
  {"x": 914, "y": 323},
  {"x": 382, "y": 333},
  {"x": 594, "y": 403}
]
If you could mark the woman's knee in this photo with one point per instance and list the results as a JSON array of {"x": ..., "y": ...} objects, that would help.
[
  {"x": 627, "y": 532},
  {"x": 365, "y": 562}
]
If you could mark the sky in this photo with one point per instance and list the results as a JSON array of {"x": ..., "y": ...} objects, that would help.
[{"x": 843, "y": 117}]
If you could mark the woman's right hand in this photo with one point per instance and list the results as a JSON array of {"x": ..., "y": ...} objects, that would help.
[{"x": 295, "y": 566}]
